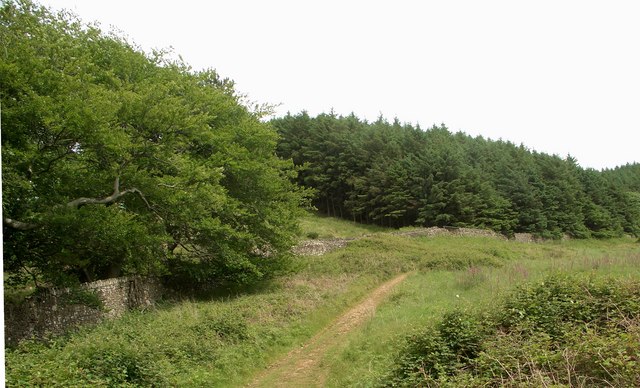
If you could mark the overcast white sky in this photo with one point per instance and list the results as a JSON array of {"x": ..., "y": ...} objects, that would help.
[{"x": 562, "y": 77}]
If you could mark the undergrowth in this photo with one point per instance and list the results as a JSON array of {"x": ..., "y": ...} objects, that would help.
[
  {"x": 569, "y": 330},
  {"x": 427, "y": 296},
  {"x": 228, "y": 337},
  {"x": 315, "y": 226}
]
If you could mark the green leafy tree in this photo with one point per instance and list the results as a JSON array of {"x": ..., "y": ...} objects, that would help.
[{"x": 117, "y": 162}]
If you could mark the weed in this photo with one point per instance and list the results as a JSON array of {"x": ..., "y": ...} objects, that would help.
[
  {"x": 471, "y": 278},
  {"x": 564, "y": 330},
  {"x": 224, "y": 338},
  {"x": 328, "y": 227},
  {"x": 517, "y": 273}
]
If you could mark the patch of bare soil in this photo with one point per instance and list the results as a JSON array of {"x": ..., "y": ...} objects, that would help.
[{"x": 303, "y": 367}]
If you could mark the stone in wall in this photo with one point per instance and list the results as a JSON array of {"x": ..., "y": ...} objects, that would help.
[
  {"x": 424, "y": 232},
  {"x": 41, "y": 315},
  {"x": 472, "y": 232},
  {"x": 53, "y": 312},
  {"x": 318, "y": 247},
  {"x": 525, "y": 237}
]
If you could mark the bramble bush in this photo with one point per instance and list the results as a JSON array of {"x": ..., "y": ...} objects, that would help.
[
  {"x": 564, "y": 330},
  {"x": 438, "y": 352}
]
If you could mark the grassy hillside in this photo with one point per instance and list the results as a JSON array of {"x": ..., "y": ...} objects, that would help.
[
  {"x": 226, "y": 340},
  {"x": 319, "y": 226},
  {"x": 420, "y": 303}
]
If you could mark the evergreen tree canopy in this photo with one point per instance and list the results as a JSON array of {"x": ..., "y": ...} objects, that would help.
[
  {"x": 627, "y": 176},
  {"x": 396, "y": 175}
]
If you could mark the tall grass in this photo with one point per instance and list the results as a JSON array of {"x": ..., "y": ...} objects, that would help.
[
  {"x": 317, "y": 226},
  {"x": 224, "y": 341},
  {"x": 192, "y": 343},
  {"x": 427, "y": 296}
]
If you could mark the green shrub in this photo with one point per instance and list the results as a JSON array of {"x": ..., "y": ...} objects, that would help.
[
  {"x": 595, "y": 357},
  {"x": 561, "y": 300},
  {"x": 313, "y": 235},
  {"x": 438, "y": 352},
  {"x": 462, "y": 333},
  {"x": 426, "y": 355},
  {"x": 228, "y": 327},
  {"x": 116, "y": 366},
  {"x": 566, "y": 331}
]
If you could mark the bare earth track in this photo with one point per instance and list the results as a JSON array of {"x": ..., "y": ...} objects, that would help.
[{"x": 303, "y": 367}]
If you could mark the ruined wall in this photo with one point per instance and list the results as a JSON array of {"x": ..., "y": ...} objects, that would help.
[
  {"x": 452, "y": 231},
  {"x": 526, "y": 237},
  {"x": 320, "y": 247},
  {"x": 56, "y": 311}
]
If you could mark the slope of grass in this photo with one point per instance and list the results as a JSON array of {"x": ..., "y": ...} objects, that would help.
[
  {"x": 216, "y": 342},
  {"x": 226, "y": 340},
  {"x": 424, "y": 298},
  {"x": 191, "y": 343},
  {"x": 322, "y": 227}
]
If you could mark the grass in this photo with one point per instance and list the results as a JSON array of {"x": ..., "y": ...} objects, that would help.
[
  {"x": 191, "y": 343},
  {"x": 226, "y": 340},
  {"x": 216, "y": 342},
  {"x": 316, "y": 226},
  {"x": 424, "y": 297}
]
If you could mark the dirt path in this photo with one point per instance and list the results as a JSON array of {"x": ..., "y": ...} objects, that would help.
[{"x": 303, "y": 367}]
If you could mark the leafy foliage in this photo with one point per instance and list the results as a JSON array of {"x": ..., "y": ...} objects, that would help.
[
  {"x": 394, "y": 174},
  {"x": 550, "y": 305},
  {"x": 227, "y": 340},
  {"x": 627, "y": 176},
  {"x": 563, "y": 330},
  {"x": 116, "y": 162}
]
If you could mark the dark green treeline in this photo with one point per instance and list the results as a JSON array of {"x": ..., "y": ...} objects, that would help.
[
  {"x": 397, "y": 175},
  {"x": 627, "y": 177}
]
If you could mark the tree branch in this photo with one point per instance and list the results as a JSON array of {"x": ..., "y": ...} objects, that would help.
[
  {"x": 76, "y": 203},
  {"x": 19, "y": 225},
  {"x": 134, "y": 190}
]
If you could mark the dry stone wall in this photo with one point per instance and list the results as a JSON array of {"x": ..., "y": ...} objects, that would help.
[
  {"x": 320, "y": 247},
  {"x": 451, "y": 231},
  {"x": 55, "y": 311},
  {"x": 525, "y": 237}
]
